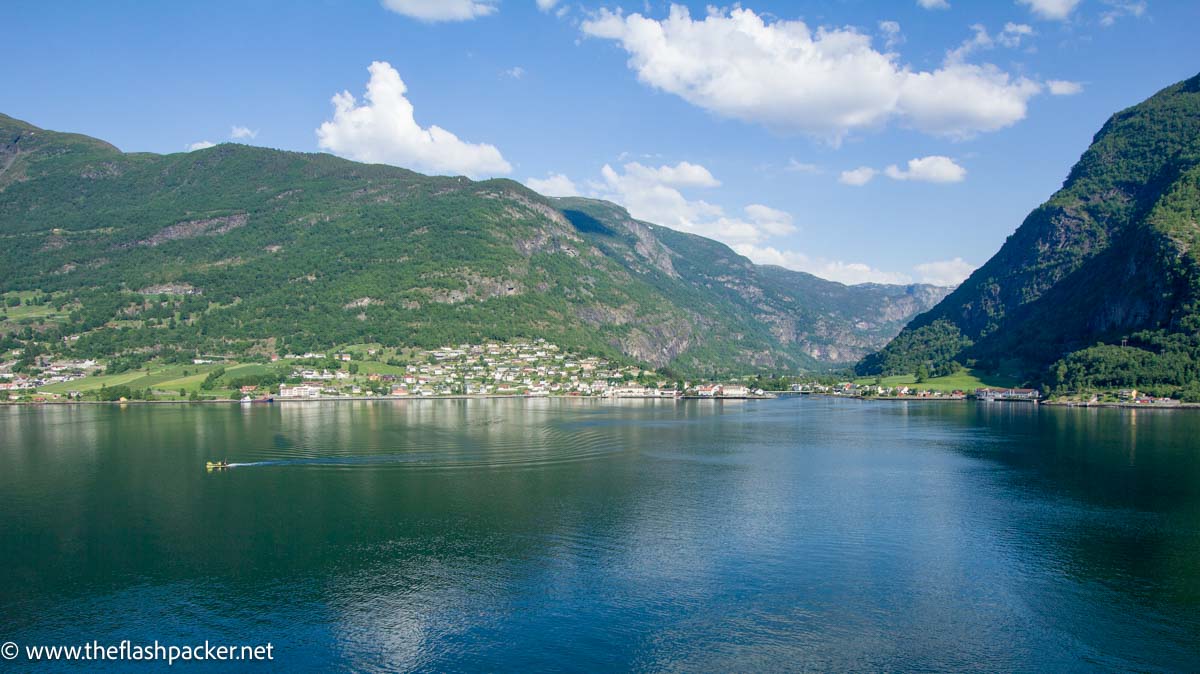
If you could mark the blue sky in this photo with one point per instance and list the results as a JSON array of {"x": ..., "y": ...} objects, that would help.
[{"x": 861, "y": 141}]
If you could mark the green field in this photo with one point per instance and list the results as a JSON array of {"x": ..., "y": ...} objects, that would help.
[
  {"x": 375, "y": 367},
  {"x": 165, "y": 377},
  {"x": 966, "y": 380},
  {"x": 165, "y": 380},
  {"x": 168, "y": 378},
  {"x": 41, "y": 311},
  {"x": 93, "y": 383},
  {"x": 198, "y": 373},
  {"x": 189, "y": 383}
]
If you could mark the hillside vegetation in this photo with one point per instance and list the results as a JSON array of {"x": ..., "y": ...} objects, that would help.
[
  {"x": 1099, "y": 287},
  {"x": 244, "y": 250}
]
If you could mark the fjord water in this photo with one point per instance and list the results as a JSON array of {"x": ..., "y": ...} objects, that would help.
[{"x": 596, "y": 535}]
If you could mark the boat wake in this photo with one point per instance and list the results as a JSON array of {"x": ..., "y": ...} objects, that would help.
[{"x": 474, "y": 449}]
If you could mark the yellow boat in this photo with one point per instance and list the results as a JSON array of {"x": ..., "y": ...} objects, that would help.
[{"x": 217, "y": 465}]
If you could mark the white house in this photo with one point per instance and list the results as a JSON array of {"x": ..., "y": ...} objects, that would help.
[{"x": 299, "y": 391}]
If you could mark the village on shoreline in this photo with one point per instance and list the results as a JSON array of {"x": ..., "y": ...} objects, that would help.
[
  {"x": 532, "y": 369},
  {"x": 523, "y": 369}
]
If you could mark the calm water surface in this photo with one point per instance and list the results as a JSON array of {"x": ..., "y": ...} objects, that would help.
[{"x": 799, "y": 533}]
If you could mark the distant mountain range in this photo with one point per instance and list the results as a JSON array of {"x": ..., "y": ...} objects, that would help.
[
  {"x": 1100, "y": 286},
  {"x": 246, "y": 249}
]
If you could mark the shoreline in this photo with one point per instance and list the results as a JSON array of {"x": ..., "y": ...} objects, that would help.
[
  {"x": 1126, "y": 406},
  {"x": 507, "y": 396},
  {"x": 277, "y": 401},
  {"x": 915, "y": 399}
]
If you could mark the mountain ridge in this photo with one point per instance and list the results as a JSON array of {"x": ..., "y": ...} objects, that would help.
[
  {"x": 265, "y": 249},
  {"x": 1110, "y": 258}
]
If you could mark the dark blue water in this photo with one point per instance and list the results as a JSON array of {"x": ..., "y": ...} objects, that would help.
[{"x": 799, "y": 533}]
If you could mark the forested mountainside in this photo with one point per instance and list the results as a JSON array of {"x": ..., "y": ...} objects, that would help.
[
  {"x": 1099, "y": 287},
  {"x": 238, "y": 249}
]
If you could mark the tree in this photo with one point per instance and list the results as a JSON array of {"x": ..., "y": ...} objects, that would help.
[
  {"x": 922, "y": 373},
  {"x": 210, "y": 382}
]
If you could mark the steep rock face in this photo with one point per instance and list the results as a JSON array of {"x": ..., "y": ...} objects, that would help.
[
  {"x": 285, "y": 250},
  {"x": 193, "y": 228},
  {"x": 1108, "y": 255}
]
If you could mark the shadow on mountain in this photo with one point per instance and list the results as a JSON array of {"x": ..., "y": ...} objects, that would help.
[{"x": 587, "y": 224}]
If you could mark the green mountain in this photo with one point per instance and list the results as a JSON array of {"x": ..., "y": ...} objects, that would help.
[
  {"x": 237, "y": 249},
  {"x": 1109, "y": 260}
]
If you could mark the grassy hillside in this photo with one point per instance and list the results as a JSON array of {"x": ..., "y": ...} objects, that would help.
[{"x": 963, "y": 380}]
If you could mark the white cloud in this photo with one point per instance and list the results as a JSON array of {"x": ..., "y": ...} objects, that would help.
[
  {"x": 683, "y": 174},
  {"x": 826, "y": 82},
  {"x": 1121, "y": 8},
  {"x": 961, "y": 100},
  {"x": 933, "y": 4},
  {"x": 199, "y": 145},
  {"x": 1051, "y": 10},
  {"x": 515, "y": 72},
  {"x": 644, "y": 155},
  {"x": 384, "y": 130},
  {"x": 931, "y": 169},
  {"x": 772, "y": 221},
  {"x": 553, "y": 185},
  {"x": 978, "y": 40},
  {"x": 1013, "y": 33},
  {"x": 242, "y": 132},
  {"x": 945, "y": 272},
  {"x": 802, "y": 167},
  {"x": 1010, "y": 37},
  {"x": 892, "y": 37},
  {"x": 940, "y": 273},
  {"x": 654, "y": 194},
  {"x": 1064, "y": 87},
  {"x": 442, "y": 10},
  {"x": 857, "y": 177},
  {"x": 546, "y": 5},
  {"x": 849, "y": 273}
]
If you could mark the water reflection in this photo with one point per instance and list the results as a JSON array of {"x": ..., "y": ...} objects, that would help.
[{"x": 564, "y": 534}]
